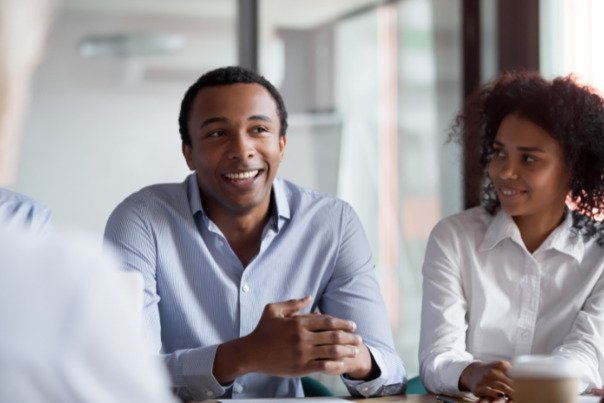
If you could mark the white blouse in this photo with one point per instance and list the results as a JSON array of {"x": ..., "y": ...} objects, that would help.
[{"x": 485, "y": 297}]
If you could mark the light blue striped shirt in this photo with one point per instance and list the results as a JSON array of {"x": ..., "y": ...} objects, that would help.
[
  {"x": 198, "y": 295},
  {"x": 19, "y": 211}
]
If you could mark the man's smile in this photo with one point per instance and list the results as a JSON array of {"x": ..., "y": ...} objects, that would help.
[{"x": 242, "y": 175}]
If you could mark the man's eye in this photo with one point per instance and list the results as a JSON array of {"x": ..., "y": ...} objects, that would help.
[
  {"x": 259, "y": 129},
  {"x": 215, "y": 133}
]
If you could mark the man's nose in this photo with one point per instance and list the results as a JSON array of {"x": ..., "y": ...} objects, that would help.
[{"x": 241, "y": 147}]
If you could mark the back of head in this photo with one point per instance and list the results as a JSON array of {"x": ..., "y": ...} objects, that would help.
[
  {"x": 227, "y": 76},
  {"x": 68, "y": 332}
]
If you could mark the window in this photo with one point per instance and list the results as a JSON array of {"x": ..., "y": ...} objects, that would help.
[{"x": 372, "y": 92}]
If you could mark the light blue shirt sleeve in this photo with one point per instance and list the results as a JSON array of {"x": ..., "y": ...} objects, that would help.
[
  {"x": 353, "y": 293},
  {"x": 198, "y": 295},
  {"x": 19, "y": 211}
]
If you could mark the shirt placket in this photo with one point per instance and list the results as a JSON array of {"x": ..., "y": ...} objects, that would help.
[
  {"x": 530, "y": 296},
  {"x": 248, "y": 317}
]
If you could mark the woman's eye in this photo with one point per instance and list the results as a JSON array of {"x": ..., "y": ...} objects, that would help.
[
  {"x": 497, "y": 153},
  {"x": 529, "y": 159}
]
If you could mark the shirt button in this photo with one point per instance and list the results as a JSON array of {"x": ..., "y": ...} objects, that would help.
[
  {"x": 237, "y": 388},
  {"x": 245, "y": 288},
  {"x": 209, "y": 393},
  {"x": 525, "y": 334}
]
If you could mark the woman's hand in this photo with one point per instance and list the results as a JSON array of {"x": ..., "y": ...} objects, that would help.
[
  {"x": 488, "y": 381},
  {"x": 598, "y": 392}
]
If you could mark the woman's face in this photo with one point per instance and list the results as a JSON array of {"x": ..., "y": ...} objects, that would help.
[{"x": 528, "y": 169}]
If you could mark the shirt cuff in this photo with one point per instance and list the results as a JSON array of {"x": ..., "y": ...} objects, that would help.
[
  {"x": 196, "y": 374},
  {"x": 374, "y": 386},
  {"x": 451, "y": 375}
]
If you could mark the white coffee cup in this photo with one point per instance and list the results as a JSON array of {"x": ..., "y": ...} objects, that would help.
[{"x": 543, "y": 379}]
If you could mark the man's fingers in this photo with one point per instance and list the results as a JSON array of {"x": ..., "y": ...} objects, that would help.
[
  {"x": 330, "y": 367},
  {"x": 287, "y": 308},
  {"x": 320, "y": 323},
  {"x": 334, "y": 352},
  {"x": 340, "y": 337}
]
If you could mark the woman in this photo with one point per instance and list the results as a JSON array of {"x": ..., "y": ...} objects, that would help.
[{"x": 523, "y": 273}]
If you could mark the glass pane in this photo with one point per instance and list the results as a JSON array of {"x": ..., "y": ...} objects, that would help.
[
  {"x": 372, "y": 95},
  {"x": 103, "y": 122},
  {"x": 396, "y": 106},
  {"x": 570, "y": 33}
]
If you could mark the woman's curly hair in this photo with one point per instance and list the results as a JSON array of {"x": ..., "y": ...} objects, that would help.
[{"x": 571, "y": 113}]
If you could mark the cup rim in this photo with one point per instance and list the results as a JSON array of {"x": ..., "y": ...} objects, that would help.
[{"x": 541, "y": 366}]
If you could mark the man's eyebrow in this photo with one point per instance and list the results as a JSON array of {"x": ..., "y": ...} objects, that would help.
[
  {"x": 209, "y": 121},
  {"x": 525, "y": 149},
  {"x": 264, "y": 118}
]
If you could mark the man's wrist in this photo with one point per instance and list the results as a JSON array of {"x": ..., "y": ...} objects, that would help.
[
  {"x": 232, "y": 361},
  {"x": 368, "y": 370}
]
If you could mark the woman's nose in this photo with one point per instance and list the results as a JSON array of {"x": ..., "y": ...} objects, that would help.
[{"x": 507, "y": 171}]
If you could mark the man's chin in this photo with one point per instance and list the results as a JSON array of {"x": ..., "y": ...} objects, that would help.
[{"x": 245, "y": 207}]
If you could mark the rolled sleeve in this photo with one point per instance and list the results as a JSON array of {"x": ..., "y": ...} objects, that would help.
[
  {"x": 354, "y": 294},
  {"x": 379, "y": 386}
]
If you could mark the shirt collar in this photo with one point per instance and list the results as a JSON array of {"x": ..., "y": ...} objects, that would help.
[
  {"x": 280, "y": 211},
  {"x": 501, "y": 227},
  {"x": 562, "y": 237},
  {"x": 194, "y": 195}
]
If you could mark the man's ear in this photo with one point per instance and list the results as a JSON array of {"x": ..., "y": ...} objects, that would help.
[
  {"x": 282, "y": 143},
  {"x": 187, "y": 152}
]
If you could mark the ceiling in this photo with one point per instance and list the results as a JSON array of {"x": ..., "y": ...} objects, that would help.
[{"x": 290, "y": 13}]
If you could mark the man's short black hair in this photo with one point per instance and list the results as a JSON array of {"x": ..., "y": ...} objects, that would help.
[{"x": 227, "y": 76}]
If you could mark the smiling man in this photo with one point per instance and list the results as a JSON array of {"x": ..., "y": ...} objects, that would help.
[{"x": 236, "y": 262}]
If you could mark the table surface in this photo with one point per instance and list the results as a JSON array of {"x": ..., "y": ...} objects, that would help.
[
  {"x": 403, "y": 398},
  {"x": 400, "y": 398}
]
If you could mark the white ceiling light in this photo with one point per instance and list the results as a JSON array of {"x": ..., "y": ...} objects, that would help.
[{"x": 128, "y": 45}]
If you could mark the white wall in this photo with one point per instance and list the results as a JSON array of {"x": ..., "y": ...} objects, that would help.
[{"x": 100, "y": 129}]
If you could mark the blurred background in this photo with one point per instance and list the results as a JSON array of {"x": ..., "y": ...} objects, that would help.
[{"x": 371, "y": 87}]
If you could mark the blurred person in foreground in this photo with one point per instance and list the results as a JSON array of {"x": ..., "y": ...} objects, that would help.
[
  {"x": 524, "y": 272},
  {"x": 236, "y": 261},
  {"x": 67, "y": 324},
  {"x": 19, "y": 211},
  {"x": 20, "y": 40}
]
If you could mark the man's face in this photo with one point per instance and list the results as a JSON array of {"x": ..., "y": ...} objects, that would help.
[{"x": 235, "y": 147}]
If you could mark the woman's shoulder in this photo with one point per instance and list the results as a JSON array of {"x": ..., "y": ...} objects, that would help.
[{"x": 470, "y": 221}]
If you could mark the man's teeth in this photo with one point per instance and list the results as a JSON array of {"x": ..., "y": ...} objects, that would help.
[{"x": 242, "y": 175}]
